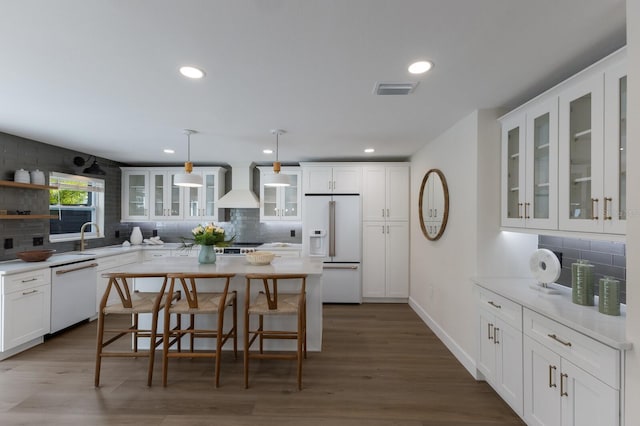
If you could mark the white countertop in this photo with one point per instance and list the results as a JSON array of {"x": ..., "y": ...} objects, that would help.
[
  {"x": 585, "y": 319},
  {"x": 274, "y": 247},
  {"x": 231, "y": 264}
]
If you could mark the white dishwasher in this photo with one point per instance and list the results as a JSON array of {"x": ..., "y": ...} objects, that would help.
[{"x": 73, "y": 293}]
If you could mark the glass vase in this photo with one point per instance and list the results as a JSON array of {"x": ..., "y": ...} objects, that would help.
[{"x": 207, "y": 255}]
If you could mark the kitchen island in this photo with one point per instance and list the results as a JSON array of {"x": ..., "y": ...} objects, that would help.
[{"x": 239, "y": 266}]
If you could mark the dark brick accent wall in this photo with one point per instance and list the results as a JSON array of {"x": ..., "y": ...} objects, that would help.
[
  {"x": 608, "y": 258},
  {"x": 19, "y": 153}
]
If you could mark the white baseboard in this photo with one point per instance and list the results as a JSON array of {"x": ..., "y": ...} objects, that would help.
[
  {"x": 464, "y": 358},
  {"x": 23, "y": 347}
]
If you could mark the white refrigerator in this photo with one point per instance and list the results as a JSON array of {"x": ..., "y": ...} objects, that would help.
[{"x": 331, "y": 231}]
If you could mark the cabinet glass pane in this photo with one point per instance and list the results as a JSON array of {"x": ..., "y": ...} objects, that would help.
[
  {"x": 137, "y": 195},
  {"x": 270, "y": 201},
  {"x": 513, "y": 189},
  {"x": 175, "y": 197},
  {"x": 192, "y": 202},
  {"x": 541, "y": 167},
  {"x": 158, "y": 192},
  {"x": 209, "y": 194},
  {"x": 291, "y": 197},
  {"x": 580, "y": 158},
  {"x": 622, "y": 196}
]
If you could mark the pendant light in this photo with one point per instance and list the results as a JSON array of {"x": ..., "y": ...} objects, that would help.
[
  {"x": 277, "y": 179},
  {"x": 187, "y": 178}
]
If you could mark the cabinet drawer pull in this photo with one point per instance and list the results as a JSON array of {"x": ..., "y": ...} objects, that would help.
[
  {"x": 29, "y": 280},
  {"x": 388, "y": 213},
  {"x": 519, "y": 210},
  {"x": 489, "y": 336},
  {"x": 554, "y": 337},
  {"x": 24, "y": 293},
  {"x": 495, "y": 335},
  {"x": 494, "y": 304},
  {"x": 552, "y": 371},
  {"x": 79, "y": 268},
  {"x": 563, "y": 392},
  {"x": 606, "y": 213},
  {"x": 382, "y": 212},
  {"x": 594, "y": 208},
  {"x": 526, "y": 210}
]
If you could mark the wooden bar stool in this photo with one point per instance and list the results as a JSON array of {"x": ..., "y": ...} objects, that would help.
[
  {"x": 199, "y": 303},
  {"x": 271, "y": 301},
  {"x": 132, "y": 303}
]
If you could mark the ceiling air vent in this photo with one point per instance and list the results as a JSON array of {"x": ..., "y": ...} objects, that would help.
[{"x": 394, "y": 88}]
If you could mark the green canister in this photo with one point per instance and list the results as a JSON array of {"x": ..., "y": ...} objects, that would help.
[
  {"x": 609, "y": 296},
  {"x": 582, "y": 283}
]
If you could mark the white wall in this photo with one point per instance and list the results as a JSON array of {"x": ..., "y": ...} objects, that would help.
[
  {"x": 632, "y": 396},
  {"x": 441, "y": 291}
]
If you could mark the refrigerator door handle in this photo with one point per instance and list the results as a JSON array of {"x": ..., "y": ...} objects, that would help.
[{"x": 332, "y": 228}]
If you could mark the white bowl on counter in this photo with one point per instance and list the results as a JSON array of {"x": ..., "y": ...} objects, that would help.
[{"x": 260, "y": 257}]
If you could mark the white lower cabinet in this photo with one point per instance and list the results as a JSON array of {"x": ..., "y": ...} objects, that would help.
[
  {"x": 557, "y": 391},
  {"x": 26, "y": 307},
  {"x": 500, "y": 347},
  {"x": 385, "y": 259}
]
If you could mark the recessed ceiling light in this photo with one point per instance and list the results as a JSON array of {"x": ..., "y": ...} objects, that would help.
[
  {"x": 267, "y": 151},
  {"x": 169, "y": 151},
  {"x": 420, "y": 67},
  {"x": 369, "y": 150},
  {"x": 191, "y": 72}
]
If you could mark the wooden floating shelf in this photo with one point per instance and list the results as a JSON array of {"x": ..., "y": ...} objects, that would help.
[
  {"x": 13, "y": 184},
  {"x": 27, "y": 216}
]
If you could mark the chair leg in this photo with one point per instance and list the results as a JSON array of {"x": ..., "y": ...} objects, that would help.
[
  {"x": 152, "y": 346},
  {"x": 299, "y": 341},
  {"x": 165, "y": 346},
  {"x": 99, "y": 338},
  {"x": 246, "y": 349},
  {"x": 235, "y": 327},
  {"x": 135, "y": 334},
  {"x": 261, "y": 329}
]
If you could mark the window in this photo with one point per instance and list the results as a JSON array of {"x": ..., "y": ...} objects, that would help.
[{"x": 78, "y": 199}]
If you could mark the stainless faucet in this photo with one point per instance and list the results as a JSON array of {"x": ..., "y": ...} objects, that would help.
[{"x": 82, "y": 233}]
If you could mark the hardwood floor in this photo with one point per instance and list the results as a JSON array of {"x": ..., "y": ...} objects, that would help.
[{"x": 380, "y": 366}]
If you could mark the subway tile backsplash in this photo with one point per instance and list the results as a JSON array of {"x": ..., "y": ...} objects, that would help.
[{"x": 608, "y": 258}]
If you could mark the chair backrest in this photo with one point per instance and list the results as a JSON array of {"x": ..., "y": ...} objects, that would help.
[
  {"x": 188, "y": 283},
  {"x": 270, "y": 285},
  {"x": 118, "y": 281}
]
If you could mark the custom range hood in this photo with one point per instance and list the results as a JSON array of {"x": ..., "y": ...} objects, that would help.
[{"x": 241, "y": 195}]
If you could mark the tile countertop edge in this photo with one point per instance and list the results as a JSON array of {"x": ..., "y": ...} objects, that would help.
[{"x": 607, "y": 329}]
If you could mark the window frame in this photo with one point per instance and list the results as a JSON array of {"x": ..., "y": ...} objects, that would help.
[{"x": 97, "y": 206}]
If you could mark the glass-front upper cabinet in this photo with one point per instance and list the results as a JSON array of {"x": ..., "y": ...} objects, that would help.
[
  {"x": 166, "y": 197},
  {"x": 615, "y": 146},
  {"x": 541, "y": 199},
  {"x": 513, "y": 171},
  {"x": 201, "y": 203},
  {"x": 281, "y": 203},
  {"x": 581, "y": 148},
  {"x": 135, "y": 194}
]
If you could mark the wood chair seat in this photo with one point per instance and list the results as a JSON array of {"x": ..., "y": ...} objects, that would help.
[
  {"x": 195, "y": 303},
  {"x": 271, "y": 302},
  {"x": 130, "y": 303}
]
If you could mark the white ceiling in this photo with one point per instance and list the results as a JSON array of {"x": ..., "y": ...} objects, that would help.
[{"x": 101, "y": 76}]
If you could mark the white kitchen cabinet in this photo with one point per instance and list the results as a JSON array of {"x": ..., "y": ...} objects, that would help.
[
  {"x": 107, "y": 264},
  {"x": 593, "y": 153},
  {"x": 135, "y": 194},
  {"x": 326, "y": 178},
  {"x": 201, "y": 203},
  {"x": 165, "y": 197},
  {"x": 385, "y": 192},
  {"x": 557, "y": 391},
  {"x": 500, "y": 346},
  {"x": 148, "y": 194},
  {"x": 385, "y": 260},
  {"x": 26, "y": 307},
  {"x": 529, "y": 167},
  {"x": 564, "y": 154},
  {"x": 281, "y": 203}
]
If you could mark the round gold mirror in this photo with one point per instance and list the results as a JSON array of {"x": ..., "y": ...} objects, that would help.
[{"x": 434, "y": 204}]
